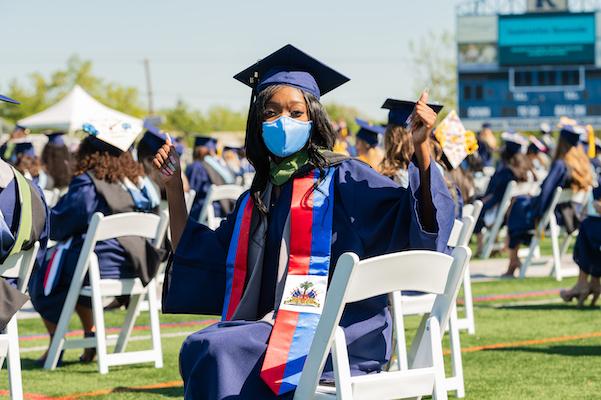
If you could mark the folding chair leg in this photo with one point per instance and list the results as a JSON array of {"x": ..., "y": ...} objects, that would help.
[
  {"x": 58, "y": 340},
  {"x": 456, "y": 362},
  {"x": 155, "y": 327},
  {"x": 14, "y": 361},
  {"x": 468, "y": 301},
  {"x": 130, "y": 319},
  {"x": 530, "y": 256},
  {"x": 440, "y": 390},
  {"x": 340, "y": 362},
  {"x": 491, "y": 239},
  {"x": 98, "y": 312},
  {"x": 399, "y": 330},
  {"x": 555, "y": 246}
]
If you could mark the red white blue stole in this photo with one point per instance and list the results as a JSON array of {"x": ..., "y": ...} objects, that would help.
[{"x": 311, "y": 213}]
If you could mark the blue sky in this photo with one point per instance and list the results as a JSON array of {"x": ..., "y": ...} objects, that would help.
[{"x": 195, "y": 47}]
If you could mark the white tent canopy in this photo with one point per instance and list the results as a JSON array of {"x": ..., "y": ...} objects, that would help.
[{"x": 75, "y": 109}]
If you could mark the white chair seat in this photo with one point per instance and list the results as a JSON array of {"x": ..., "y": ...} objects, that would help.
[{"x": 116, "y": 287}]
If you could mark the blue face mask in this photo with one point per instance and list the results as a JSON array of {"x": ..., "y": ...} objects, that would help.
[{"x": 285, "y": 136}]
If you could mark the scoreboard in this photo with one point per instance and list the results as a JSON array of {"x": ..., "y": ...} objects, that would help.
[{"x": 517, "y": 70}]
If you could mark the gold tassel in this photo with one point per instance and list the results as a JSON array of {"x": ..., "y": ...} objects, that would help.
[{"x": 591, "y": 141}]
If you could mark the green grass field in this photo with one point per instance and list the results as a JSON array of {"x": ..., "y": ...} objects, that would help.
[{"x": 567, "y": 366}]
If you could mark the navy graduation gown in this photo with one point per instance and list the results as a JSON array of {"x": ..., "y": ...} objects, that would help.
[
  {"x": 494, "y": 192},
  {"x": 527, "y": 209},
  {"x": 70, "y": 218},
  {"x": 372, "y": 216},
  {"x": 587, "y": 249}
]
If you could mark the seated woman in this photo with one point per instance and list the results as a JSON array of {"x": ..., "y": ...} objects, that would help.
[
  {"x": 398, "y": 149},
  {"x": 570, "y": 169},
  {"x": 57, "y": 162},
  {"x": 108, "y": 180},
  {"x": 29, "y": 164},
  {"x": 587, "y": 254},
  {"x": 247, "y": 270},
  {"x": 20, "y": 201},
  {"x": 513, "y": 166},
  {"x": 537, "y": 155}
]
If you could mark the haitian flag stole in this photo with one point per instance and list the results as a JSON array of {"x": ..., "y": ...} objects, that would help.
[{"x": 311, "y": 213}]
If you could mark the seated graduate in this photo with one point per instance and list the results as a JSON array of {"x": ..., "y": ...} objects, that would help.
[
  {"x": 206, "y": 170},
  {"x": 149, "y": 144},
  {"x": 398, "y": 142},
  {"x": 28, "y": 163},
  {"x": 587, "y": 255},
  {"x": 248, "y": 269},
  {"x": 7, "y": 150},
  {"x": 487, "y": 145},
  {"x": 341, "y": 144},
  {"x": 514, "y": 165},
  {"x": 23, "y": 221},
  {"x": 57, "y": 162},
  {"x": 366, "y": 143},
  {"x": 546, "y": 134},
  {"x": 537, "y": 155},
  {"x": 108, "y": 180},
  {"x": 571, "y": 169}
]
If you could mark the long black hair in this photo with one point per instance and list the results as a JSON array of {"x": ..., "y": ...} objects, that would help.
[{"x": 322, "y": 136}]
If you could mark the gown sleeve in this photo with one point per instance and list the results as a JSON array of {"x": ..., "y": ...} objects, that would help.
[
  {"x": 71, "y": 215},
  {"x": 386, "y": 216},
  {"x": 195, "y": 279},
  {"x": 556, "y": 178}
]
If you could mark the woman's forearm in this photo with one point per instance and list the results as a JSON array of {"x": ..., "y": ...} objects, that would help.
[
  {"x": 426, "y": 207},
  {"x": 178, "y": 214}
]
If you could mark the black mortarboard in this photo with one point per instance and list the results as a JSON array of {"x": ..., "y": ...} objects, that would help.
[
  {"x": 400, "y": 110},
  {"x": 24, "y": 148},
  {"x": 291, "y": 66},
  {"x": 571, "y": 133},
  {"x": 55, "y": 138},
  {"x": 205, "y": 141},
  {"x": 514, "y": 142},
  {"x": 154, "y": 140}
]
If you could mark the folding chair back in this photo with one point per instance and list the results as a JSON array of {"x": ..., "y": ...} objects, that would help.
[
  {"x": 356, "y": 280},
  {"x": 217, "y": 193},
  {"x": 455, "y": 233},
  {"x": 469, "y": 222},
  {"x": 101, "y": 228},
  {"x": 189, "y": 199},
  {"x": 18, "y": 266}
]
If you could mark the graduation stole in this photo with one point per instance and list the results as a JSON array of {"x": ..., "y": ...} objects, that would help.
[
  {"x": 311, "y": 214},
  {"x": 25, "y": 215}
]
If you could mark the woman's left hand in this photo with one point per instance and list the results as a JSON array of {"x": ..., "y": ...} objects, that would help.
[{"x": 423, "y": 120}]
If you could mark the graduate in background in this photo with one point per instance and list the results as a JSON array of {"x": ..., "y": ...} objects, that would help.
[
  {"x": 537, "y": 155},
  {"x": 547, "y": 137},
  {"x": 398, "y": 144},
  {"x": 205, "y": 171},
  {"x": 487, "y": 145},
  {"x": 57, "y": 162},
  {"x": 29, "y": 164},
  {"x": 108, "y": 180},
  {"x": 7, "y": 150},
  {"x": 248, "y": 270},
  {"x": 20, "y": 200},
  {"x": 514, "y": 165},
  {"x": 366, "y": 143},
  {"x": 570, "y": 169}
]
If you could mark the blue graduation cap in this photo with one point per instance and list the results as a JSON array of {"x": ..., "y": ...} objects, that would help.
[
  {"x": 24, "y": 148},
  {"x": 369, "y": 133},
  {"x": 290, "y": 66},
  {"x": 400, "y": 111},
  {"x": 486, "y": 125},
  {"x": 205, "y": 141},
  {"x": 8, "y": 99},
  {"x": 179, "y": 146},
  {"x": 55, "y": 138},
  {"x": 571, "y": 133},
  {"x": 514, "y": 142}
]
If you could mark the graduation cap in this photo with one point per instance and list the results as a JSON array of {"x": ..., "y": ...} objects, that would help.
[
  {"x": 55, "y": 138},
  {"x": 457, "y": 143},
  {"x": 571, "y": 133},
  {"x": 401, "y": 110},
  {"x": 8, "y": 99},
  {"x": 117, "y": 134},
  {"x": 486, "y": 125},
  {"x": 514, "y": 142},
  {"x": 154, "y": 140},
  {"x": 369, "y": 133},
  {"x": 24, "y": 148},
  {"x": 536, "y": 146},
  {"x": 205, "y": 141},
  {"x": 291, "y": 66}
]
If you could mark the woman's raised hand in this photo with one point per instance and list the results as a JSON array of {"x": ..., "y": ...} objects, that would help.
[
  {"x": 423, "y": 120},
  {"x": 166, "y": 160}
]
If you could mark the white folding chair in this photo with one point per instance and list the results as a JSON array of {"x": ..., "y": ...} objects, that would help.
[
  {"x": 420, "y": 374},
  {"x": 101, "y": 228},
  {"x": 18, "y": 266},
  {"x": 217, "y": 193},
  {"x": 51, "y": 197},
  {"x": 189, "y": 199},
  {"x": 513, "y": 190},
  {"x": 560, "y": 196}
]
